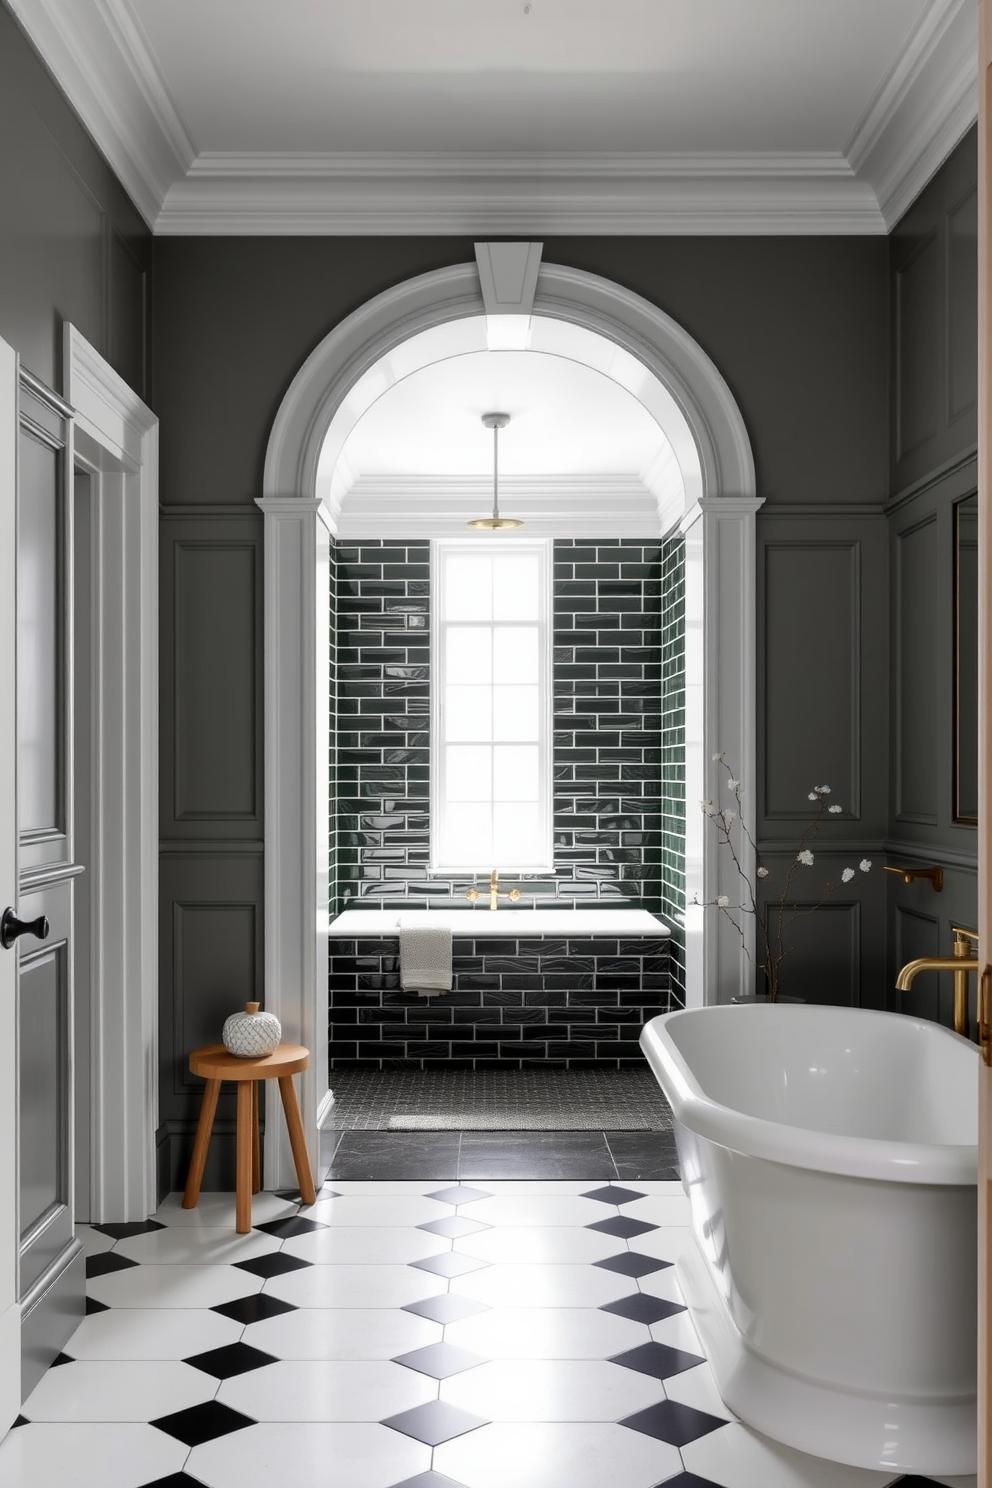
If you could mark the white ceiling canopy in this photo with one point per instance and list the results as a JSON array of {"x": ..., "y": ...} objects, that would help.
[{"x": 524, "y": 117}]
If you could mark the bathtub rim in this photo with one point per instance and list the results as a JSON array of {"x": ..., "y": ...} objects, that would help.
[{"x": 953, "y": 1165}]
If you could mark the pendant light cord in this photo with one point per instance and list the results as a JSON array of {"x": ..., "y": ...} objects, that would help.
[{"x": 495, "y": 472}]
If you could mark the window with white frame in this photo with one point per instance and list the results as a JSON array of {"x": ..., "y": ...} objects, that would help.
[{"x": 491, "y": 720}]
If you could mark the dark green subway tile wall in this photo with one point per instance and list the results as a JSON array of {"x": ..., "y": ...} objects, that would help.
[
  {"x": 672, "y": 811},
  {"x": 607, "y": 760}
]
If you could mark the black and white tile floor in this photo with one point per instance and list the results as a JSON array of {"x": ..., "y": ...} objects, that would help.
[{"x": 518, "y": 1334}]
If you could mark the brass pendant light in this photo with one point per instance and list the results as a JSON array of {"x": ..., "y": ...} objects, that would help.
[{"x": 495, "y": 523}]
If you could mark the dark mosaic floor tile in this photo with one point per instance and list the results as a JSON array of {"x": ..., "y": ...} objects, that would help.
[
  {"x": 127, "y": 1231},
  {"x": 450, "y": 1264},
  {"x": 622, "y": 1226},
  {"x": 289, "y": 1228},
  {"x": 642, "y": 1308},
  {"x": 430, "y": 1480},
  {"x": 658, "y": 1360},
  {"x": 439, "y": 1360},
  {"x": 434, "y": 1423},
  {"x": 454, "y": 1228},
  {"x": 105, "y": 1264},
  {"x": 275, "y": 1264},
  {"x": 202, "y": 1423},
  {"x": 673, "y": 1423},
  {"x": 253, "y": 1309},
  {"x": 459, "y": 1193},
  {"x": 632, "y": 1263},
  {"x": 446, "y": 1309},
  {"x": 232, "y": 1359},
  {"x": 614, "y": 1195},
  {"x": 92, "y": 1306}
]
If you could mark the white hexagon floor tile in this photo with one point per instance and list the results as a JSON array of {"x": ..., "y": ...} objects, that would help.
[
  {"x": 196, "y": 1245},
  {"x": 354, "y": 1286},
  {"x": 556, "y": 1455},
  {"x": 737, "y": 1457},
  {"x": 666, "y": 1243},
  {"x": 94, "y": 1242},
  {"x": 88, "y": 1456},
  {"x": 342, "y": 1333},
  {"x": 538, "y": 1244},
  {"x": 216, "y": 1210},
  {"x": 105, "y": 1390},
  {"x": 546, "y": 1333},
  {"x": 518, "y": 1285},
  {"x": 350, "y": 1245},
  {"x": 376, "y": 1209},
  {"x": 678, "y": 1332},
  {"x": 326, "y": 1390},
  {"x": 309, "y": 1455},
  {"x": 173, "y": 1286},
  {"x": 151, "y": 1333},
  {"x": 697, "y": 1388},
  {"x": 522, "y": 1207},
  {"x": 552, "y": 1390},
  {"x": 659, "y": 1209}
]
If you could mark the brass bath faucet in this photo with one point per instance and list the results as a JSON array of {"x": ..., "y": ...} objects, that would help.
[
  {"x": 960, "y": 963},
  {"x": 495, "y": 892}
]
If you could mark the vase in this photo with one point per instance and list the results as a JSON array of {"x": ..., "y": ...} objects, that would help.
[{"x": 251, "y": 1034}]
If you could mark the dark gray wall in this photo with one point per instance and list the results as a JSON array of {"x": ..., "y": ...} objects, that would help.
[
  {"x": 72, "y": 245},
  {"x": 933, "y": 286},
  {"x": 799, "y": 327}
]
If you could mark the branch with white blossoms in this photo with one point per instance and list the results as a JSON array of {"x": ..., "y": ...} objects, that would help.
[{"x": 734, "y": 837}]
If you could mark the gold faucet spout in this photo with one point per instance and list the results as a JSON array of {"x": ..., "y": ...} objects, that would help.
[
  {"x": 959, "y": 964},
  {"x": 495, "y": 892},
  {"x": 912, "y": 969}
]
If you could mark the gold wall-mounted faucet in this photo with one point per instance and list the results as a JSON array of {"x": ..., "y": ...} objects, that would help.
[
  {"x": 495, "y": 892},
  {"x": 960, "y": 964}
]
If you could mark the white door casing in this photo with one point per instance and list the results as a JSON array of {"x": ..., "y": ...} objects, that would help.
[
  {"x": 116, "y": 441},
  {"x": 10, "y": 1312},
  {"x": 717, "y": 515}
]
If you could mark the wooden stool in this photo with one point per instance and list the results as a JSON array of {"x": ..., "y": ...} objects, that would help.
[{"x": 214, "y": 1064}]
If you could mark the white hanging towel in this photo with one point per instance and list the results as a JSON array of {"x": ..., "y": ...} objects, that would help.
[{"x": 425, "y": 959}]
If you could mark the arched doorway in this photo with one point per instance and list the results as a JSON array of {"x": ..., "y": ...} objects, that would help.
[{"x": 710, "y": 497}]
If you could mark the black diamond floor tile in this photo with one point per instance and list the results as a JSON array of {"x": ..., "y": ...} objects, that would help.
[
  {"x": 439, "y": 1360},
  {"x": 450, "y": 1264},
  {"x": 688, "y": 1480},
  {"x": 275, "y": 1264},
  {"x": 673, "y": 1423},
  {"x": 21, "y": 1421},
  {"x": 658, "y": 1360},
  {"x": 291, "y": 1226},
  {"x": 232, "y": 1359},
  {"x": 641, "y": 1308},
  {"x": 92, "y": 1306},
  {"x": 459, "y": 1193},
  {"x": 430, "y": 1480},
  {"x": 622, "y": 1227},
  {"x": 434, "y": 1422},
  {"x": 253, "y": 1309},
  {"x": 103, "y": 1265},
  {"x": 611, "y": 1194},
  {"x": 632, "y": 1263},
  {"x": 202, "y": 1423},
  {"x": 175, "y": 1480},
  {"x": 454, "y": 1228},
  {"x": 61, "y": 1359},
  {"x": 128, "y": 1231},
  {"x": 446, "y": 1309}
]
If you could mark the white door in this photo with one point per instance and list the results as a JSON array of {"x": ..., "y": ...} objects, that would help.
[{"x": 10, "y": 1312}]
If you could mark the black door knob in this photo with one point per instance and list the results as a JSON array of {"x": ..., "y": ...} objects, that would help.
[{"x": 11, "y": 927}]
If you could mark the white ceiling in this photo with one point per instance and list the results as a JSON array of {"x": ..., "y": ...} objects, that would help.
[{"x": 517, "y": 116}]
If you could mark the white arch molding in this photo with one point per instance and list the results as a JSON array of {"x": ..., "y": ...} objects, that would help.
[{"x": 717, "y": 518}]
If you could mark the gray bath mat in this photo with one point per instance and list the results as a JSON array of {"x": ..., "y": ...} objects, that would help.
[{"x": 518, "y": 1100}]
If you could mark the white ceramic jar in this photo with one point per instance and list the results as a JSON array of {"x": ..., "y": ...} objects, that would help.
[{"x": 251, "y": 1034}]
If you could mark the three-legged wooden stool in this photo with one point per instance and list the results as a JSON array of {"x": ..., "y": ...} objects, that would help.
[{"x": 214, "y": 1064}]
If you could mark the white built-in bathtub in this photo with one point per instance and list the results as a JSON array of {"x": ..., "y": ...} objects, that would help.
[
  {"x": 465, "y": 920},
  {"x": 829, "y": 1156}
]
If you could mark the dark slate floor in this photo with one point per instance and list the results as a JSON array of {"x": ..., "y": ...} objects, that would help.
[{"x": 514, "y": 1154}]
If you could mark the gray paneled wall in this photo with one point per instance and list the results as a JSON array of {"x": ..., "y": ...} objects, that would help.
[{"x": 210, "y": 812}]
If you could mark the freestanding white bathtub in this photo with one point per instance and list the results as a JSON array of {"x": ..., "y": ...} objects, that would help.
[{"x": 829, "y": 1156}]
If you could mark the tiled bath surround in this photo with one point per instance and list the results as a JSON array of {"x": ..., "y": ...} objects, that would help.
[
  {"x": 619, "y": 784},
  {"x": 515, "y": 1003}
]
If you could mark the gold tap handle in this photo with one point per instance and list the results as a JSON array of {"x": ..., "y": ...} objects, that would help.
[
  {"x": 472, "y": 895},
  {"x": 514, "y": 894}
]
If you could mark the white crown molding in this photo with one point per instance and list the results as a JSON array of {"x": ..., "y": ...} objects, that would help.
[
  {"x": 100, "y": 59},
  {"x": 330, "y": 195},
  {"x": 100, "y": 56},
  {"x": 922, "y": 109}
]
